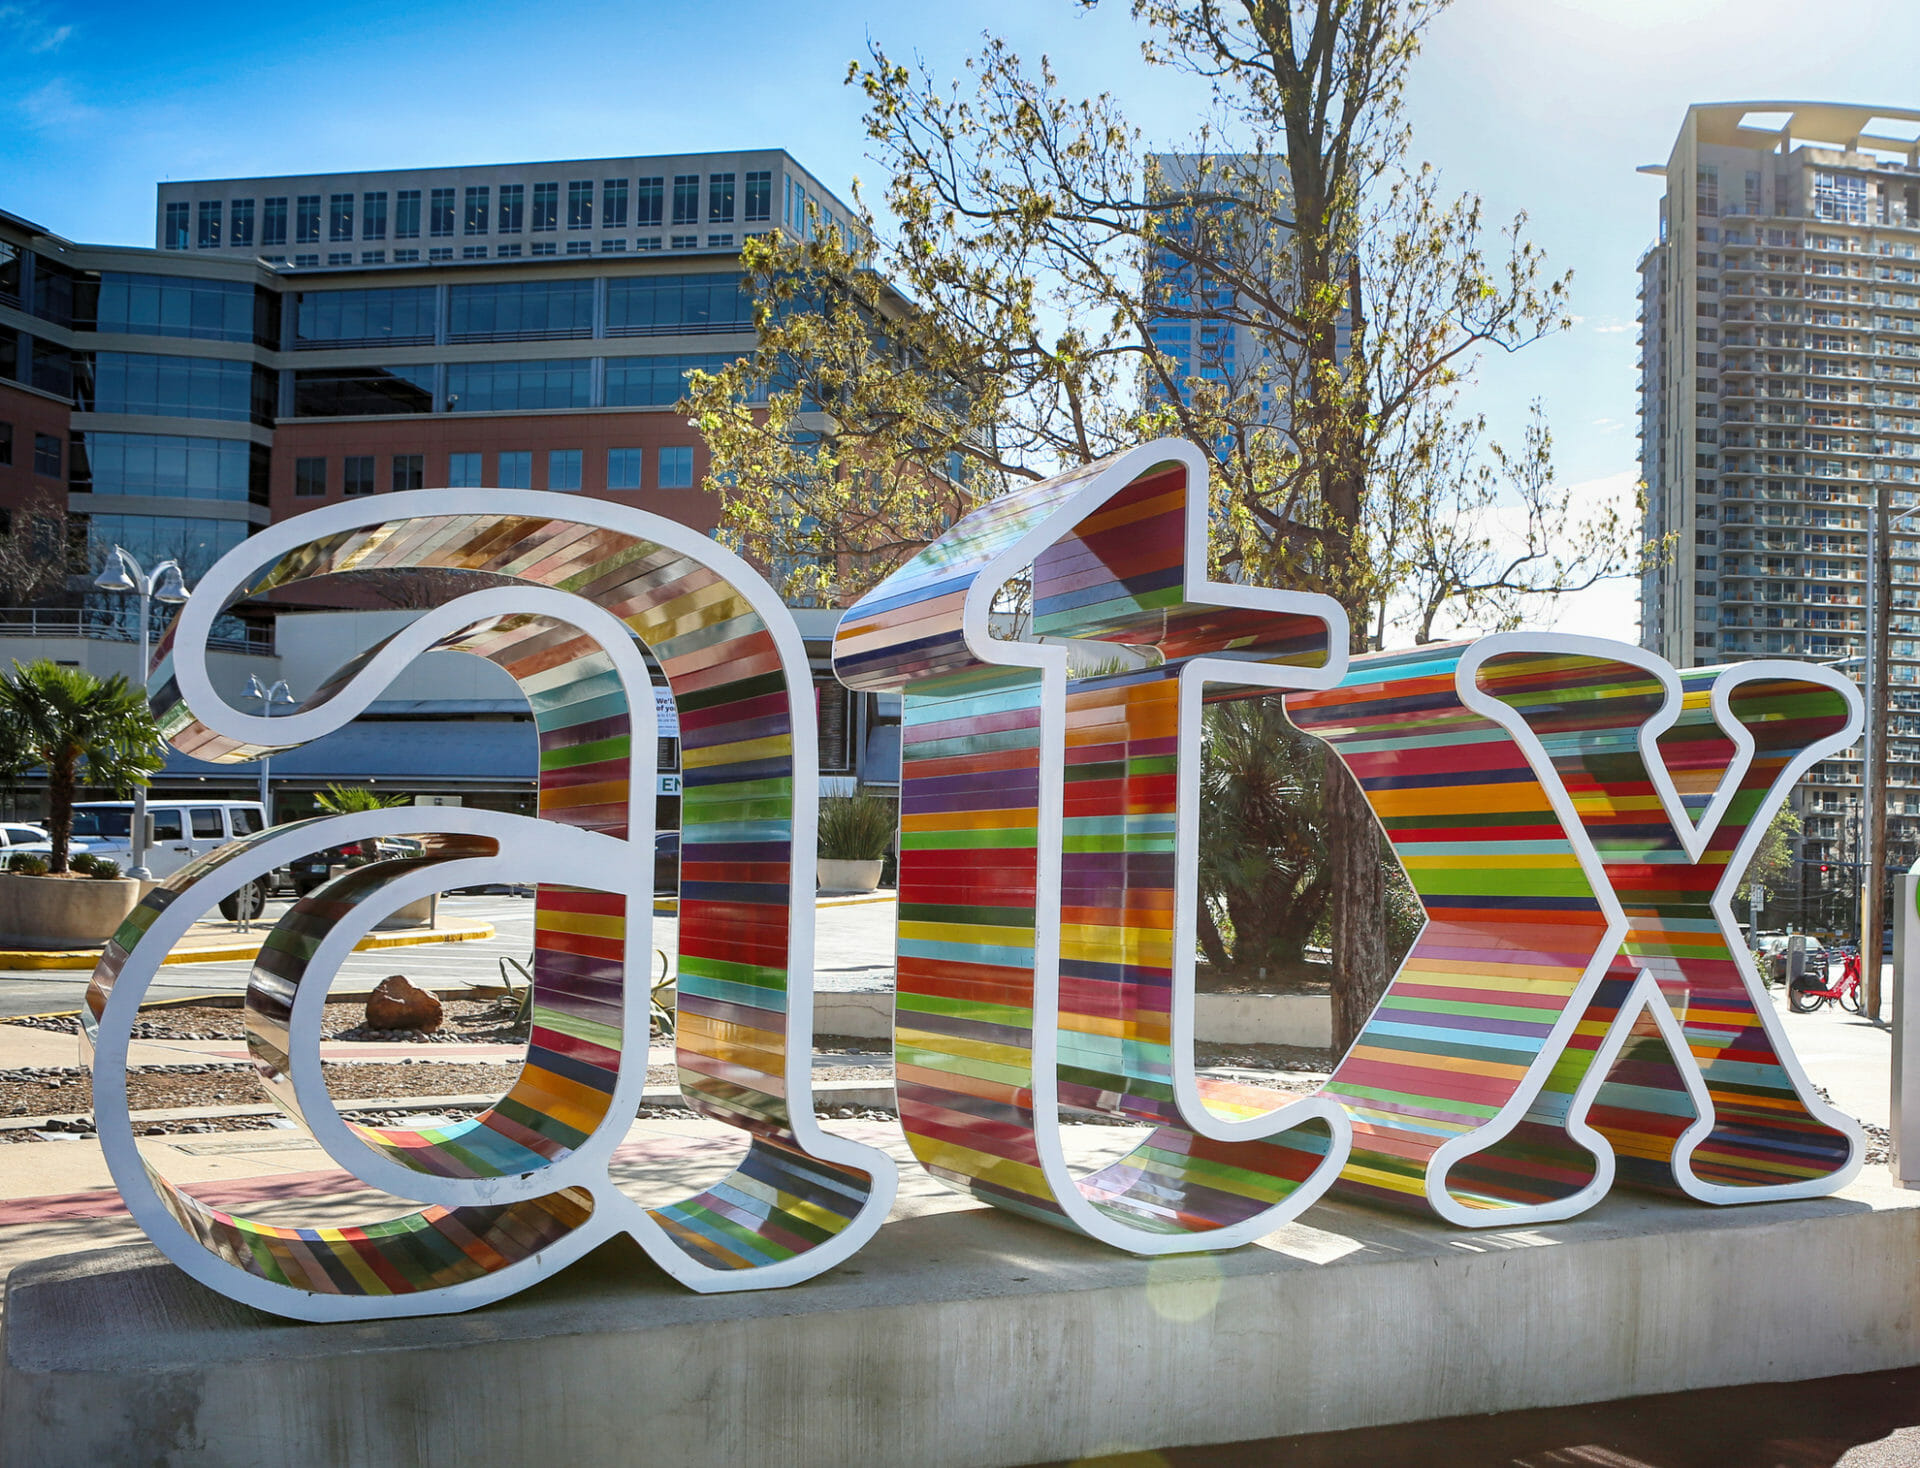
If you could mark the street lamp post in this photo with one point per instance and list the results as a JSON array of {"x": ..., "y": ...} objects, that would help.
[
  {"x": 278, "y": 693},
  {"x": 166, "y": 585}
]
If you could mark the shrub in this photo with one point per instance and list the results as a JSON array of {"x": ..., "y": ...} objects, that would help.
[
  {"x": 104, "y": 868},
  {"x": 27, "y": 864},
  {"x": 340, "y": 800},
  {"x": 81, "y": 862},
  {"x": 856, "y": 827}
]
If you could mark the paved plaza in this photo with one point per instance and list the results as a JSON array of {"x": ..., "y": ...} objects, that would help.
[{"x": 57, "y": 1197}]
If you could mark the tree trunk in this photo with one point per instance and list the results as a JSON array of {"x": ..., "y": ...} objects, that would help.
[
  {"x": 1358, "y": 907},
  {"x": 60, "y": 775},
  {"x": 1210, "y": 943}
]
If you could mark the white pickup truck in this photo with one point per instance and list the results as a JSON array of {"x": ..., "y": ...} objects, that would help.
[{"x": 180, "y": 830}]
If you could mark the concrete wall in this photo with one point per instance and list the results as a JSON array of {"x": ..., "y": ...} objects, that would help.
[
  {"x": 971, "y": 1339},
  {"x": 228, "y": 670},
  {"x": 1265, "y": 1019},
  {"x": 313, "y": 645}
]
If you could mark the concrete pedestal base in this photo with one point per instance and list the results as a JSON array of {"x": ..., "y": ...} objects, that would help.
[{"x": 971, "y": 1339}]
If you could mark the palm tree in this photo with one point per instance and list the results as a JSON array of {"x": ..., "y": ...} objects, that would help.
[
  {"x": 62, "y": 718},
  {"x": 340, "y": 800},
  {"x": 1264, "y": 873}
]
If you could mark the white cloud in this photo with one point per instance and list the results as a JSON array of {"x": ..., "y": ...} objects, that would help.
[
  {"x": 53, "y": 104},
  {"x": 26, "y": 28},
  {"x": 1609, "y": 608}
]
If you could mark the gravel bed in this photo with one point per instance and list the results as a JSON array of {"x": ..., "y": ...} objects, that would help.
[
  {"x": 466, "y": 1021},
  {"x": 1210, "y": 1054},
  {"x": 69, "y": 1089}
]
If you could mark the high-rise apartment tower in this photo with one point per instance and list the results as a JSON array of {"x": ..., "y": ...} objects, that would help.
[{"x": 1780, "y": 394}]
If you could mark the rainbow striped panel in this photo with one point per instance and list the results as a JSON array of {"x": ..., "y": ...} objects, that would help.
[
  {"x": 1037, "y": 961},
  {"x": 738, "y": 728},
  {"x": 1763, "y": 1135},
  {"x": 1557, "y": 865}
]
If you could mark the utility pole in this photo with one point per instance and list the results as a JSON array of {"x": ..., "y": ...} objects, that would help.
[{"x": 1873, "y": 884}]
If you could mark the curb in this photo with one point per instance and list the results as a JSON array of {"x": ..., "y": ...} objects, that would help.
[
  {"x": 235, "y": 999},
  {"x": 86, "y": 958}
]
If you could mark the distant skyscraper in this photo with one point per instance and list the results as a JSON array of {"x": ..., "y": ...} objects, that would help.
[
  {"x": 1780, "y": 389},
  {"x": 1225, "y": 352}
]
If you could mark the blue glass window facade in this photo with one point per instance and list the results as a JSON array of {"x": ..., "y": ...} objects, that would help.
[
  {"x": 401, "y": 316},
  {"x": 349, "y": 392},
  {"x": 516, "y": 470},
  {"x": 678, "y": 305},
  {"x": 177, "y": 387},
  {"x": 195, "y": 542},
  {"x": 623, "y": 468},
  {"x": 170, "y": 466},
  {"x": 169, "y": 305},
  {"x": 676, "y": 467},
  {"x": 521, "y": 310},
  {"x": 654, "y": 382},
  {"x": 563, "y": 468},
  {"x": 496, "y": 387}
]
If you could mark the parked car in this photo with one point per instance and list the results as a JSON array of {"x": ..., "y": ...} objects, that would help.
[
  {"x": 308, "y": 872},
  {"x": 178, "y": 832},
  {"x": 18, "y": 836}
]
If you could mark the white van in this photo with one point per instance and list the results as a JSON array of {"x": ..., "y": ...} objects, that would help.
[{"x": 179, "y": 830}]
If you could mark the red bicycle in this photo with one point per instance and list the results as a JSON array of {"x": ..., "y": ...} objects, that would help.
[{"x": 1806, "y": 994}]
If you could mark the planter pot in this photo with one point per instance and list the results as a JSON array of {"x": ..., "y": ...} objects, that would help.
[
  {"x": 418, "y": 914},
  {"x": 848, "y": 876},
  {"x": 63, "y": 912}
]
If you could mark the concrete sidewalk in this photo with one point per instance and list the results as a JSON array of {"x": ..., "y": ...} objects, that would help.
[{"x": 218, "y": 942}]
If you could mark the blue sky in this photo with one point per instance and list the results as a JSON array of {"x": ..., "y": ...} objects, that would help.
[{"x": 1542, "y": 105}]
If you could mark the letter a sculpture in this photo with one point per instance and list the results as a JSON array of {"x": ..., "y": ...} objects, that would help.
[
  {"x": 523, "y": 1189},
  {"x": 1574, "y": 814}
]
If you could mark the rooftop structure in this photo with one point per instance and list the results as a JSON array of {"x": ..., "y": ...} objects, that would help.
[{"x": 692, "y": 203}]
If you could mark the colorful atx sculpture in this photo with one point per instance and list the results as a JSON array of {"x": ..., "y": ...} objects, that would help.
[
  {"x": 522, "y": 1190},
  {"x": 1574, "y": 814}
]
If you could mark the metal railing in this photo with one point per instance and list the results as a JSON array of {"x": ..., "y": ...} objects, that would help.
[{"x": 230, "y": 634}]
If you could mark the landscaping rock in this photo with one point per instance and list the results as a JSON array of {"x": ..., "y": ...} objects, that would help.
[{"x": 398, "y": 1004}]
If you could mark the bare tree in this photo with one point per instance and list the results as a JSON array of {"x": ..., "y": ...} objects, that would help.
[
  {"x": 33, "y": 553},
  {"x": 1044, "y": 264}
]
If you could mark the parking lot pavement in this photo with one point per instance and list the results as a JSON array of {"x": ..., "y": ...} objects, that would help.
[{"x": 434, "y": 965}]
